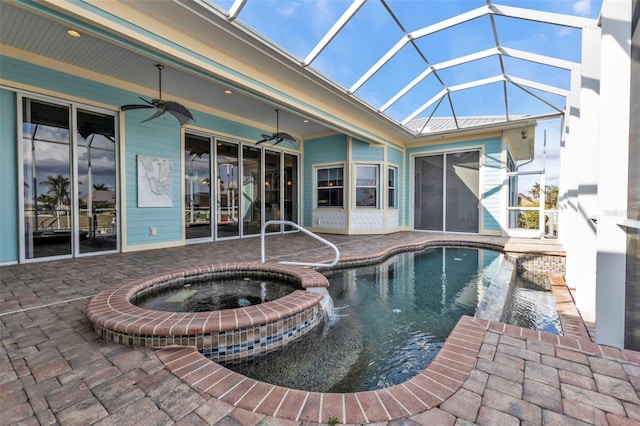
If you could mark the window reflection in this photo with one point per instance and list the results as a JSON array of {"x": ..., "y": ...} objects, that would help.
[{"x": 47, "y": 180}]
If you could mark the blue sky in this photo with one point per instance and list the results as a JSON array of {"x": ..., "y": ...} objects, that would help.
[{"x": 297, "y": 26}]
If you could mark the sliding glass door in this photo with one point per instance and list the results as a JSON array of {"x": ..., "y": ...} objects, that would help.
[
  {"x": 69, "y": 194},
  {"x": 227, "y": 196},
  {"x": 231, "y": 189},
  {"x": 197, "y": 182},
  {"x": 446, "y": 192}
]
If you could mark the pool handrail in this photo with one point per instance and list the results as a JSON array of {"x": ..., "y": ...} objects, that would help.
[{"x": 311, "y": 234}]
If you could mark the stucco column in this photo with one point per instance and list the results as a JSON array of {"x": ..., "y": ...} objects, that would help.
[
  {"x": 588, "y": 149},
  {"x": 613, "y": 177}
]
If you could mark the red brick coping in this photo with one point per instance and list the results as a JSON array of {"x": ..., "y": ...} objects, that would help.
[
  {"x": 115, "y": 318},
  {"x": 470, "y": 342},
  {"x": 441, "y": 379}
]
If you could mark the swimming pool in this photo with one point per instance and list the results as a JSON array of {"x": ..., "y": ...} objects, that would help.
[{"x": 390, "y": 320}]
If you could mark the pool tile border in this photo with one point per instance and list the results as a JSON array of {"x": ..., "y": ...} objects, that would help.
[{"x": 225, "y": 335}]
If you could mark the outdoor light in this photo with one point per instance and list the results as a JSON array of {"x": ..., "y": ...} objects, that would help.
[
  {"x": 228, "y": 92},
  {"x": 74, "y": 33}
]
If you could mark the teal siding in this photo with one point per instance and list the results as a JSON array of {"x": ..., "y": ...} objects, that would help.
[
  {"x": 326, "y": 149},
  {"x": 159, "y": 138},
  {"x": 361, "y": 151},
  {"x": 9, "y": 187},
  {"x": 395, "y": 158},
  {"x": 492, "y": 184}
]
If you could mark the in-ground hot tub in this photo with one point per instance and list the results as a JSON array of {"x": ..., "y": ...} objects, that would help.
[{"x": 222, "y": 335}]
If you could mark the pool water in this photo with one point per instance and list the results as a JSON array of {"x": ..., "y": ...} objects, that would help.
[
  {"x": 530, "y": 306},
  {"x": 213, "y": 293},
  {"x": 390, "y": 320}
]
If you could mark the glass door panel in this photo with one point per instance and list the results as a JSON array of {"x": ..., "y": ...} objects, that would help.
[
  {"x": 227, "y": 199},
  {"x": 462, "y": 176},
  {"x": 97, "y": 187},
  {"x": 272, "y": 199},
  {"x": 197, "y": 159},
  {"x": 429, "y": 184},
  {"x": 290, "y": 208},
  {"x": 251, "y": 188},
  {"x": 47, "y": 186}
]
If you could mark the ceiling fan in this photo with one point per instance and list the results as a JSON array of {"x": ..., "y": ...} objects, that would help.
[
  {"x": 279, "y": 136},
  {"x": 174, "y": 108}
]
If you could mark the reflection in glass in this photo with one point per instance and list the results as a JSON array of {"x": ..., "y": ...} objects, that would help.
[
  {"x": 290, "y": 189},
  {"x": 227, "y": 189},
  {"x": 197, "y": 160},
  {"x": 97, "y": 189},
  {"x": 272, "y": 205},
  {"x": 329, "y": 182},
  {"x": 47, "y": 180},
  {"x": 251, "y": 190},
  {"x": 366, "y": 186}
]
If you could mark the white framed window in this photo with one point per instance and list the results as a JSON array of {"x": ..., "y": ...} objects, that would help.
[
  {"x": 367, "y": 183},
  {"x": 330, "y": 186},
  {"x": 393, "y": 174}
]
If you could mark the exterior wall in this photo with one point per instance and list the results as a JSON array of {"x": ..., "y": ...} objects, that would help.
[
  {"x": 365, "y": 220},
  {"x": 321, "y": 151},
  {"x": 9, "y": 187},
  {"x": 396, "y": 218},
  {"x": 158, "y": 138},
  {"x": 490, "y": 178},
  {"x": 361, "y": 152}
]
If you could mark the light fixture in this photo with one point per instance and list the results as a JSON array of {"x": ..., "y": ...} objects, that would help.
[
  {"x": 228, "y": 92},
  {"x": 74, "y": 33},
  {"x": 523, "y": 134},
  {"x": 305, "y": 121}
]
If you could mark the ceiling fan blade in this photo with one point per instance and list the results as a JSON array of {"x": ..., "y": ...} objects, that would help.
[
  {"x": 266, "y": 138},
  {"x": 156, "y": 115},
  {"x": 135, "y": 106},
  {"x": 179, "y": 108},
  {"x": 183, "y": 119},
  {"x": 287, "y": 137},
  {"x": 178, "y": 111},
  {"x": 149, "y": 102}
]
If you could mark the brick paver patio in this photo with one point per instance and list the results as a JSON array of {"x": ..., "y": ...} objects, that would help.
[{"x": 55, "y": 370}]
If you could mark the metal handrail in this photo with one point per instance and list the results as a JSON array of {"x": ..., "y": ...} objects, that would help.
[{"x": 311, "y": 234}]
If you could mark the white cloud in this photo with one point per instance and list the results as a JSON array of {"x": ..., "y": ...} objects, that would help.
[
  {"x": 288, "y": 10},
  {"x": 582, "y": 7},
  {"x": 564, "y": 31}
]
